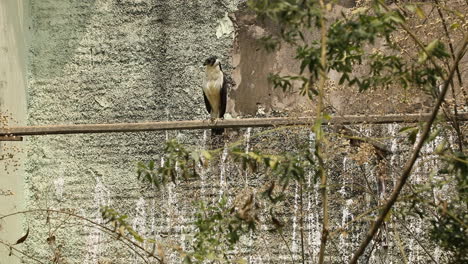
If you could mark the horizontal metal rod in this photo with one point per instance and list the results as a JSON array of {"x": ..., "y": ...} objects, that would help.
[{"x": 207, "y": 124}]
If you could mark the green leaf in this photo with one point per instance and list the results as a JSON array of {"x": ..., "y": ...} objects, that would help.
[
  {"x": 416, "y": 9},
  {"x": 433, "y": 135},
  {"x": 435, "y": 48},
  {"x": 440, "y": 149},
  {"x": 420, "y": 12},
  {"x": 412, "y": 133},
  {"x": 187, "y": 260},
  {"x": 411, "y": 8},
  {"x": 407, "y": 129},
  {"x": 388, "y": 216},
  {"x": 432, "y": 46},
  {"x": 455, "y": 25},
  {"x": 327, "y": 117},
  {"x": 207, "y": 155},
  {"x": 397, "y": 18},
  {"x": 360, "y": 10}
]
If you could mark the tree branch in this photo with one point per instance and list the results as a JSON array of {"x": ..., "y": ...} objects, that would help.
[
  {"x": 410, "y": 163},
  {"x": 319, "y": 132}
]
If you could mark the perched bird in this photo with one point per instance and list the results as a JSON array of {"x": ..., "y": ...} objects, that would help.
[{"x": 215, "y": 91}]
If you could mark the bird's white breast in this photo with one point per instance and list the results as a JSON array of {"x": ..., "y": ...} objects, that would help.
[{"x": 212, "y": 88}]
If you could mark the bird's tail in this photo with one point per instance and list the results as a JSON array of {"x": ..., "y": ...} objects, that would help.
[{"x": 217, "y": 131}]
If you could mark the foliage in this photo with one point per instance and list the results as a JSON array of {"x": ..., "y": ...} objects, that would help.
[
  {"x": 450, "y": 228},
  {"x": 178, "y": 161},
  {"x": 361, "y": 47},
  {"x": 347, "y": 47},
  {"x": 120, "y": 226},
  {"x": 182, "y": 162},
  {"x": 349, "y": 42},
  {"x": 218, "y": 229}
]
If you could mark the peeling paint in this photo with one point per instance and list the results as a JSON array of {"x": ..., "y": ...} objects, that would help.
[{"x": 225, "y": 26}]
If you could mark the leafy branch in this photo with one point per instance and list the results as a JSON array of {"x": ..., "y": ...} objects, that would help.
[{"x": 406, "y": 173}]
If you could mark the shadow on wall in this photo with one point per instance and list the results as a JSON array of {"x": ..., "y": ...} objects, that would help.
[{"x": 49, "y": 20}]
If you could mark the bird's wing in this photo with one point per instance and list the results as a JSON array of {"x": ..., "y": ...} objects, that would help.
[
  {"x": 224, "y": 89},
  {"x": 207, "y": 103}
]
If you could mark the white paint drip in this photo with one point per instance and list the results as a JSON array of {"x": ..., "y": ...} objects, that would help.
[
  {"x": 139, "y": 222},
  {"x": 294, "y": 242},
  {"x": 153, "y": 231},
  {"x": 94, "y": 240},
  {"x": 249, "y": 244},
  {"x": 202, "y": 168},
  {"x": 313, "y": 222},
  {"x": 344, "y": 241},
  {"x": 169, "y": 205},
  {"x": 222, "y": 173},
  {"x": 59, "y": 187},
  {"x": 247, "y": 149},
  {"x": 247, "y": 139},
  {"x": 391, "y": 129},
  {"x": 173, "y": 216}
]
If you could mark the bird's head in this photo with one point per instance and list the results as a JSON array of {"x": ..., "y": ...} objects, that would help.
[{"x": 212, "y": 61}]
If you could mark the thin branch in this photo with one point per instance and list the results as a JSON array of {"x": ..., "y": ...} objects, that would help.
[
  {"x": 452, "y": 50},
  {"x": 455, "y": 123},
  {"x": 409, "y": 165},
  {"x": 417, "y": 240},
  {"x": 287, "y": 245},
  {"x": 81, "y": 218},
  {"x": 400, "y": 246},
  {"x": 121, "y": 241},
  {"x": 412, "y": 35},
  {"x": 20, "y": 251}
]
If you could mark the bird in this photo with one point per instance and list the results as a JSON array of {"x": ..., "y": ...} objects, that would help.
[{"x": 215, "y": 91}]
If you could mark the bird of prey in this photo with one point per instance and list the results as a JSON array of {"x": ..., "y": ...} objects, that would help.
[{"x": 215, "y": 91}]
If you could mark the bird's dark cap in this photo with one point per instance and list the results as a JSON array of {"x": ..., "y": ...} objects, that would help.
[{"x": 210, "y": 61}]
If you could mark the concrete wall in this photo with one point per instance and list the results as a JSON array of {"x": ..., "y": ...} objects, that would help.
[
  {"x": 13, "y": 71},
  {"x": 101, "y": 61}
]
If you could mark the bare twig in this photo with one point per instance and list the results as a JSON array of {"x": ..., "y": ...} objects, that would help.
[
  {"x": 400, "y": 246},
  {"x": 419, "y": 242},
  {"x": 287, "y": 245},
  {"x": 20, "y": 251},
  {"x": 452, "y": 50},
  {"x": 410, "y": 163},
  {"x": 84, "y": 219},
  {"x": 454, "y": 120}
]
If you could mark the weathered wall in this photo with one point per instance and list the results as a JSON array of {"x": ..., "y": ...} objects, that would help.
[
  {"x": 253, "y": 94},
  {"x": 13, "y": 38},
  {"x": 100, "y": 61}
]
